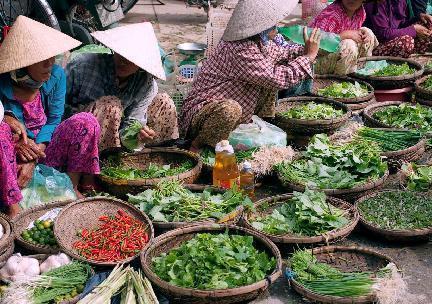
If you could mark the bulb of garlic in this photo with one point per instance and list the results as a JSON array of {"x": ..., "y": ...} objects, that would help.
[
  {"x": 54, "y": 261},
  {"x": 18, "y": 266}
]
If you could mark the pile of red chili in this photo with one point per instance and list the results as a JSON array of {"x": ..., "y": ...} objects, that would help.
[{"x": 117, "y": 238}]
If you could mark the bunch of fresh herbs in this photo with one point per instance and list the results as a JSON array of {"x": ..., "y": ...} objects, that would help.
[
  {"x": 419, "y": 178},
  {"x": 129, "y": 135},
  {"x": 395, "y": 70},
  {"x": 344, "y": 89},
  {"x": 171, "y": 202},
  {"x": 391, "y": 140},
  {"x": 327, "y": 166},
  {"x": 306, "y": 213},
  {"x": 398, "y": 210},
  {"x": 214, "y": 261},
  {"x": 312, "y": 110}
]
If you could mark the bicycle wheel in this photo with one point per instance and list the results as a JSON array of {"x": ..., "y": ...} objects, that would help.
[
  {"x": 38, "y": 10},
  {"x": 127, "y": 5}
]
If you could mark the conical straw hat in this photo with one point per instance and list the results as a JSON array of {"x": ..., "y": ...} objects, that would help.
[
  {"x": 251, "y": 17},
  {"x": 137, "y": 43},
  {"x": 29, "y": 42}
]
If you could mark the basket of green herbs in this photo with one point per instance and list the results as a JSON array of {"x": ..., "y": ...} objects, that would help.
[
  {"x": 337, "y": 274},
  {"x": 212, "y": 264},
  {"x": 342, "y": 89},
  {"x": 124, "y": 173},
  {"x": 423, "y": 90},
  {"x": 398, "y": 72},
  {"x": 416, "y": 177},
  {"x": 310, "y": 217},
  {"x": 397, "y": 215},
  {"x": 310, "y": 115},
  {"x": 172, "y": 205}
]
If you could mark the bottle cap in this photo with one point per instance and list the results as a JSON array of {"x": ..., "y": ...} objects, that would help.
[
  {"x": 224, "y": 145},
  {"x": 247, "y": 165}
]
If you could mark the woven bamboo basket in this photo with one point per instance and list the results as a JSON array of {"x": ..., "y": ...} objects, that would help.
[
  {"x": 7, "y": 240},
  {"x": 329, "y": 237},
  {"x": 175, "y": 238},
  {"x": 346, "y": 259},
  {"x": 309, "y": 127},
  {"x": 368, "y": 113},
  {"x": 27, "y": 216},
  {"x": 423, "y": 59},
  {"x": 232, "y": 218},
  {"x": 349, "y": 195},
  {"x": 323, "y": 81},
  {"x": 396, "y": 235},
  {"x": 84, "y": 214},
  {"x": 357, "y": 108},
  {"x": 421, "y": 93},
  {"x": 390, "y": 82},
  {"x": 423, "y": 102},
  {"x": 141, "y": 160}
]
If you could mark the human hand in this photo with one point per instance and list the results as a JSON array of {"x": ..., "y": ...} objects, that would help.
[
  {"x": 25, "y": 173},
  {"x": 422, "y": 31},
  {"x": 354, "y": 35},
  {"x": 425, "y": 18},
  {"x": 16, "y": 127},
  {"x": 29, "y": 152},
  {"x": 365, "y": 37},
  {"x": 146, "y": 134},
  {"x": 311, "y": 43}
]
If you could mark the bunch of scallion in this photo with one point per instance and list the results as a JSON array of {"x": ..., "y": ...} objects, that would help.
[
  {"x": 327, "y": 280},
  {"x": 133, "y": 286},
  {"x": 391, "y": 140}
]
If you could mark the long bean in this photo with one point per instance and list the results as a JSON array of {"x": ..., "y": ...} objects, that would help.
[{"x": 391, "y": 140}]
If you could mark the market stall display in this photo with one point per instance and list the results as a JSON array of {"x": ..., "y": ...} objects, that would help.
[
  {"x": 132, "y": 173},
  {"x": 102, "y": 231},
  {"x": 302, "y": 218},
  {"x": 190, "y": 246},
  {"x": 7, "y": 237},
  {"x": 397, "y": 215}
]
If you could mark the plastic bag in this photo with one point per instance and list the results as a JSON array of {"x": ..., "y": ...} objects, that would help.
[
  {"x": 372, "y": 67},
  {"x": 256, "y": 134},
  {"x": 47, "y": 185}
]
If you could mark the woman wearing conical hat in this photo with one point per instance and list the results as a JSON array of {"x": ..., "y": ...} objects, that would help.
[
  {"x": 32, "y": 90},
  {"x": 120, "y": 88},
  {"x": 245, "y": 72}
]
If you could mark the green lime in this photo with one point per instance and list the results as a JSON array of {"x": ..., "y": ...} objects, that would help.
[
  {"x": 36, "y": 234},
  {"x": 40, "y": 227}
]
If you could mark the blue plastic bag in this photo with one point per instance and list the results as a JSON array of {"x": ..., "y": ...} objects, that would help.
[{"x": 47, "y": 185}]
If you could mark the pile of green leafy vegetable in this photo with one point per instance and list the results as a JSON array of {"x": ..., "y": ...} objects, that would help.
[
  {"x": 416, "y": 117},
  {"x": 171, "y": 202},
  {"x": 208, "y": 155},
  {"x": 214, "y": 261},
  {"x": 327, "y": 280},
  {"x": 129, "y": 135},
  {"x": 395, "y": 70},
  {"x": 391, "y": 140},
  {"x": 312, "y": 110},
  {"x": 427, "y": 84},
  {"x": 419, "y": 178},
  {"x": 328, "y": 166},
  {"x": 398, "y": 210},
  {"x": 306, "y": 213},
  {"x": 153, "y": 171},
  {"x": 344, "y": 89}
]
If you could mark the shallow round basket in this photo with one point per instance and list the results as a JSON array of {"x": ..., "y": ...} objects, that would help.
[
  {"x": 27, "y": 216},
  {"x": 84, "y": 214},
  {"x": 346, "y": 259},
  {"x": 349, "y": 195},
  {"x": 7, "y": 240},
  {"x": 368, "y": 113},
  {"x": 326, "y": 238},
  {"x": 141, "y": 160},
  {"x": 422, "y": 93},
  {"x": 173, "y": 239},
  {"x": 423, "y": 59},
  {"x": 309, "y": 127},
  {"x": 323, "y": 81},
  {"x": 357, "y": 108},
  {"x": 232, "y": 218},
  {"x": 389, "y": 82},
  {"x": 396, "y": 235}
]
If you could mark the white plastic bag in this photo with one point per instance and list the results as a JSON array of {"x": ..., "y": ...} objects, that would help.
[{"x": 256, "y": 134}]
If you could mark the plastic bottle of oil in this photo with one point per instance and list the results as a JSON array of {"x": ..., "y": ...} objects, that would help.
[
  {"x": 247, "y": 180},
  {"x": 226, "y": 174}
]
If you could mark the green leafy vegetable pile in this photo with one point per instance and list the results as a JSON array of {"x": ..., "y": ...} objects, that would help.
[
  {"x": 306, "y": 213},
  {"x": 406, "y": 116},
  {"x": 214, "y": 261},
  {"x": 395, "y": 70},
  {"x": 171, "y": 202},
  {"x": 419, "y": 178},
  {"x": 390, "y": 140},
  {"x": 208, "y": 156},
  {"x": 398, "y": 210},
  {"x": 427, "y": 84},
  {"x": 327, "y": 280},
  {"x": 344, "y": 90},
  {"x": 326, "y": 166},
  {"x": 153, "y": 171},
  {"x": 312, "y": 110},
  {"x": 129, "y": 135}
]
